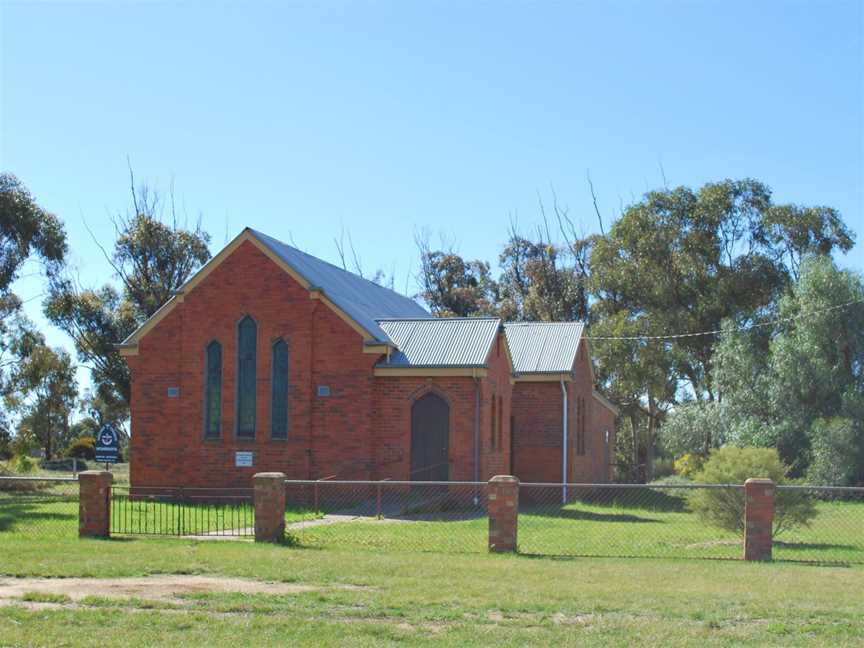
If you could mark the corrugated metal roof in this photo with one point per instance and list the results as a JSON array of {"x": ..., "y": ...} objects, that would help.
[
  {"x": 440, "y": 342},
  {"x": 543, "y": 347},
  {"x": 362, "y": 300}
]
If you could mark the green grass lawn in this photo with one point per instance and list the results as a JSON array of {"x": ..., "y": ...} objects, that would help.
[
  {"x": 421, "y": 582},
  {"x": 372, "y": 598}
]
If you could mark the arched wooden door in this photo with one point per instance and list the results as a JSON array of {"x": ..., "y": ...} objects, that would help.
[{"x": 430, "y": 438}]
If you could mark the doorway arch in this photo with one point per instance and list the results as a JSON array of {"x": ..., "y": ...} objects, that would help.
[{"x": 430, "y": 438}]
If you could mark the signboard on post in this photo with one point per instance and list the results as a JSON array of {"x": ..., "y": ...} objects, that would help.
[{"x": 107, "y": 445}]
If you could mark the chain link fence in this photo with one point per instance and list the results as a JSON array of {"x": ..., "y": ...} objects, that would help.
[
  {"x": 812, "y": 523},
  {"x": 38, "y": 507},
  {"x": 632, "y": 520},
  {"x": 834, "y": 533},
  {"x": 392, "y": 515}
]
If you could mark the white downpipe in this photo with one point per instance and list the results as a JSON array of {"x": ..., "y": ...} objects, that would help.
[
  {"x": 477, "y": 438},
  {"x": 564, "y": 445}
]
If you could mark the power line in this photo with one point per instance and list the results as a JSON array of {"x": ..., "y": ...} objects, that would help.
[{"x": 745, "y": 327}]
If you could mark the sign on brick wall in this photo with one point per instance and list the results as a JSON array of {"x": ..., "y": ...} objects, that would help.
[{"x": 243, "y": 459}]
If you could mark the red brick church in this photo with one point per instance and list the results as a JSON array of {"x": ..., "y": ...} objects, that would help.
[{"x": 269, "y": 359}]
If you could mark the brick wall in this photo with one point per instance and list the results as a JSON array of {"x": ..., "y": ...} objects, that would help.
[
  {"x": 325, "y": 436},
  {"x": 495, "y": 432},
  {"x": 537, "y": 415},
  {"x": 394, "y": 397},
  {"x": 361, "y": 431},
  {"x": 603, "y": 419},
  {"x": 587, "y": 467},
  {"x": 537, "y": 431}
]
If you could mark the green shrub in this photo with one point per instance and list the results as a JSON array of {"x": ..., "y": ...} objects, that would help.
[
  {"x": 675, "y": 480},
  {"x": 83, "y": 448},
  {"x": 22, "y": 464},
  {"x": 688, "y": 465},
  {"x": 19, "y": 466},
  {"x": 724, "y": 508},
  {"x": 662, "y": 467},
  {"x": 64, "y": 465}
]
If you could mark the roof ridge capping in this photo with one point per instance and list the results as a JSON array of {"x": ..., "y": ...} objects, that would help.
[
  {"x": 544, "y": 347},
  {"x": 544, "y": 323},
  {"x": 261, "y": 235},
  {"x": 433, "y": 318},
  {"x": 440, "y": 341},
  {"x": 361, "y": 300},
  {"x": 357, "y": 300}
]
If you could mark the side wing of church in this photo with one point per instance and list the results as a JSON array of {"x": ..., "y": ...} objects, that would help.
[{"x": 269, "y": 359}]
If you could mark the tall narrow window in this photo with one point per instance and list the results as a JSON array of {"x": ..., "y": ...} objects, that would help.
[
  {"x": 213, "y": 391},
  {"x": 247, "y": 334},
  {"x": 279, "y": 397},
  {"x": 492, "y": 425},
  {"x": 580, "y": 426},
  {"x": 500, "y": 421}
]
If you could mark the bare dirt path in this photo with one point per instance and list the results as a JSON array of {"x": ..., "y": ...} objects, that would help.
[{"x": 164, "y": 587}]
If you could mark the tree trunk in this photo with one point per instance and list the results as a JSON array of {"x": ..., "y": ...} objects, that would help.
[{"x": 649, "y": 442}]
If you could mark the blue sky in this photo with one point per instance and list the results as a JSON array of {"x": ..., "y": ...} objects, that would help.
[{"x": 299, "y": 119}]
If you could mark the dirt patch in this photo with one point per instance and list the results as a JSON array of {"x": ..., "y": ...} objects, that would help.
[
  {"x": 558, "y": 618},
  {"x": 165, "y": 587}
]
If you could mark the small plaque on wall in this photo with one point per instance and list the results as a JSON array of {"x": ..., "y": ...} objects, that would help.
[
  {"x": 173, "y": 392},
  {"x": 323, "y": 391},
  {"x": 243, "y": 459}
]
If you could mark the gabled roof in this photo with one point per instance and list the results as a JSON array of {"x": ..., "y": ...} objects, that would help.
[
  {"x": 440, "y": 342},
  {"x": 360, "y": 299},
  {"x": 543, "y": 347}
]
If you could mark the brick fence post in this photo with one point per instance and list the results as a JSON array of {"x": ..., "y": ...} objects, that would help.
[
  {"x": 94, "y": 504},
  {"x": 269, "y": 506},
  {"x": 758, "y": 518},
  {"x": 503, "y": 513}
]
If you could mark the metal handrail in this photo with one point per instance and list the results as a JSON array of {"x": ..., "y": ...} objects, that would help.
[
  {"x": 654, "y": 486},
  {"x": 830, "y": 489},
  {"x": 39, "y": 479},
  {"x": 370, "y": 482}
]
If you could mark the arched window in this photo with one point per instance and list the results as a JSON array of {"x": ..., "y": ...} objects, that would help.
[
  {"x": 247, "y": 333},
  {"x": 213, "y": 391},
  {"x": 279, "y": 396}
]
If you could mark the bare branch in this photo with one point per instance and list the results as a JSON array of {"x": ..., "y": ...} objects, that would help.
[
  {"x": 545, "y": 221},
  {"x": 108, "y": 258},
  {"x": 132, "y": 185},
  {"x": 594, "y": 199},
  {"x": 340, "y": 246},
  {"x": 357, "y": 265}
]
